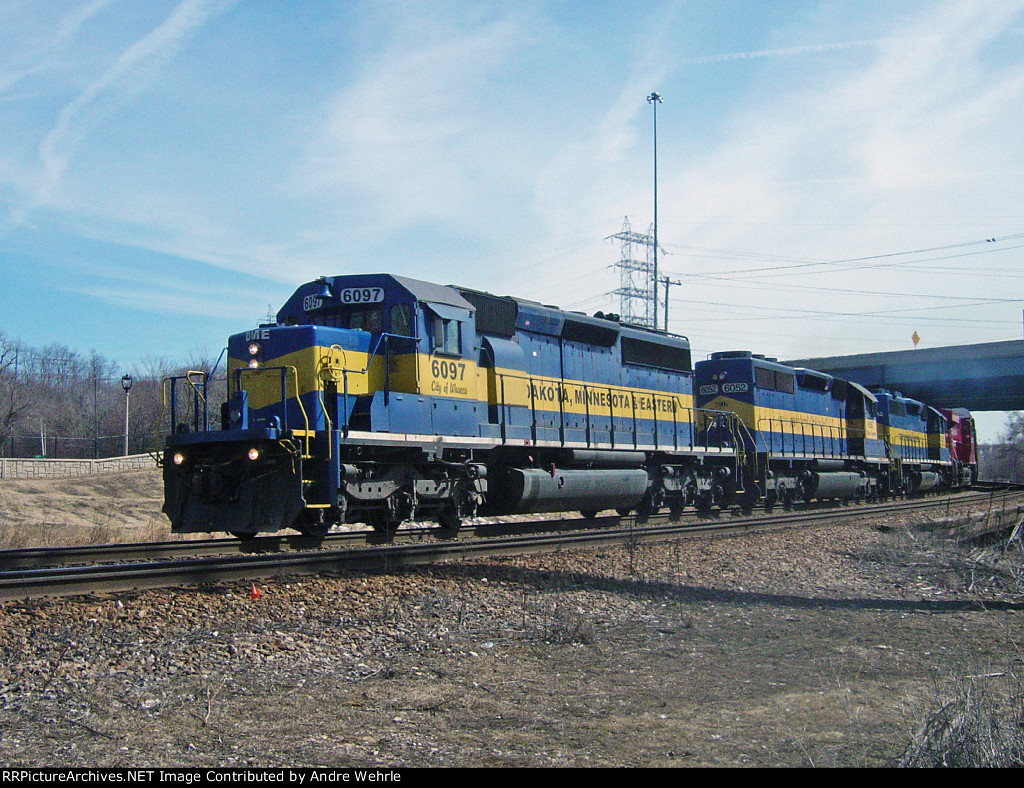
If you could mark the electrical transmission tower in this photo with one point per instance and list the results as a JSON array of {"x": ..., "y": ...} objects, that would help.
[{"x": 637, "y": 290}]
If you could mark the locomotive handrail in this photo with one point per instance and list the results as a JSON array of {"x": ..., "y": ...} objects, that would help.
[
  {"x": 501, "y": 413},
  {"x": 531, "y": 381},
  {"x": 611, "y": 414},
  {"x": 675, "y": 426},
  {"x": 909, "y": 448},
  {"x": 654, "y": 416},
  {"x": 383, "y": 338},
  {"x": 729, "y": 422},
  {"x": 283, "y": 375},
  {"x": 193, "y": 378},
  {"x": 831, "y": 443},
  {"x": 533, "y": 411},
  {"x": 325, "y": 367},
  {"x": 327, "y": 419}
]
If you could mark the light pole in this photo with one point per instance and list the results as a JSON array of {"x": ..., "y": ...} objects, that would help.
[
  {"x": 654, "y": 100},
  {"x": 126, "y": 384}
]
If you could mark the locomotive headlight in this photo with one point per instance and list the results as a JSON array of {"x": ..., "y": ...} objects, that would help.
[
  {"x": 254, "y": 349},
  {"x": 254, "y": 454},
  {"x": 178, "y": 458},
  {"x": 254, "y": 364}
]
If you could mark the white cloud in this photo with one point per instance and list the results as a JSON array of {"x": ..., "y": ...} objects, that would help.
[
  {"x": 918, "y": 116},
  {"x": 407, "y": 135},
  {"x": 130, "y": 74},
  {"x": 508, "y": 147}
]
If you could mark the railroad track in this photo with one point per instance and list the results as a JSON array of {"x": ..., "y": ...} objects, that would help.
[
  {"x": 111, "y": 568},
  {"x": 49, "y": 557}
]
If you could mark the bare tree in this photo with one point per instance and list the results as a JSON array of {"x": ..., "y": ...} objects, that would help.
[
  {"x": 13, "y": 399},
  {"x": 59, "y": 402},
  {"x": 1006, "y": 460}
]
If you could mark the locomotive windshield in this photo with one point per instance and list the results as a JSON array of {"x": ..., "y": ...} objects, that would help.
[{"x": 364, "y": 319}]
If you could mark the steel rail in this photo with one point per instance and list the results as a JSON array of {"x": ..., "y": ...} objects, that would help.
[
  {"x": 47, "y": 557},
  {"x": 69, "y": 581}
]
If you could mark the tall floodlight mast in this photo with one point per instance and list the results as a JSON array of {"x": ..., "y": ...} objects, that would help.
[{"x": 654, "y": 100}]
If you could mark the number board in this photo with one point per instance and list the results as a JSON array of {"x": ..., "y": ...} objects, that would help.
[{"x": 361, "y": 295}]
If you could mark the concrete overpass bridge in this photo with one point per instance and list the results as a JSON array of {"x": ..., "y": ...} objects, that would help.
[{"x": 985, "y": 377}]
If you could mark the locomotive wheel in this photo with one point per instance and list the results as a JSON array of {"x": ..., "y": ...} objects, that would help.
[
  {"x": 623, "y": 512},
  {"x": 648, "y": 507},
  {"x": 381, "y": 521},
  {"x": 449, "y": 518},
  {"x": 588, "y": 514},
  {"x": 691, "y": 489},
  {"x": 751, "y": 495},
  {"x": 312, "y": 523}
]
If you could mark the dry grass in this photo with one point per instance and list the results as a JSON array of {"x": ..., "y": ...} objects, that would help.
[
  {"x": 971, "y": 720},
  {"x": 83, "y": 510},
  {"x": 978, "y": 723}
]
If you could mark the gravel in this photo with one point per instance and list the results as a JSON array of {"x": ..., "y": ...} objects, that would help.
[{"x": 816, "y": 646}]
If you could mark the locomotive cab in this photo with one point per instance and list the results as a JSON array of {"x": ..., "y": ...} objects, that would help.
[
  {"x": 962, "y": 445},
  {"x": 421, "y": 367}
]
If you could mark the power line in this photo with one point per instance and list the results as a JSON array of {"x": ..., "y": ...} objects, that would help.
[
  {"x": 832, "y": 315},
  {"x": 804, "y": 264},
  {"x": 755, "y": 285}
]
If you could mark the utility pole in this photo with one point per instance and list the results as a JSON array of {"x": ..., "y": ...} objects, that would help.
[
  {"x": 654, "y": 100},
  {"x": 667, "y": 282}
]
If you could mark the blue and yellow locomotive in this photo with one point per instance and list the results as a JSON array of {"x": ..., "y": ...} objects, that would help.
[
  {"x": 807, "y": 435},
  {"x": 917, "y": 437},
  {"x": 380, "y": 399}
]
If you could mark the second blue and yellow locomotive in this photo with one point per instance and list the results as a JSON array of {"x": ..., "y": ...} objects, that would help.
[{"x": 808, "y": 435}]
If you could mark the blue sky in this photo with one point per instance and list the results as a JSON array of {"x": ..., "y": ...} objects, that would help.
[{"x": 830, "y": 173}]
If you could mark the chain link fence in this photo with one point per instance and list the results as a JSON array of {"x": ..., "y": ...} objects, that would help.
[{"x": 74, "y": 448}]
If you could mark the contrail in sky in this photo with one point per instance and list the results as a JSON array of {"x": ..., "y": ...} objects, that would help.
[
  {"x": 128, "y": 75},
  {"x": 786, "y": 51}
]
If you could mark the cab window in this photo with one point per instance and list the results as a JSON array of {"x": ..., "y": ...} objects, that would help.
[
  {"x": 366, "y": 320},
  {"x": 445, "y": 335},
  {"x": 774, "y": 380},
  {"x": 401, "y": 320}
]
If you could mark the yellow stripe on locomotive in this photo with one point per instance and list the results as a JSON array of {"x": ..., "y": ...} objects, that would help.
[
  {"x": 313, "y": 366},
  {"x": 517, "y": 389}
]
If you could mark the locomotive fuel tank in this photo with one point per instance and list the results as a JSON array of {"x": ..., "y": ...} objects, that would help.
[
  {"x": 529, "y": 490},
  {"x": 843, "y": 485}
]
